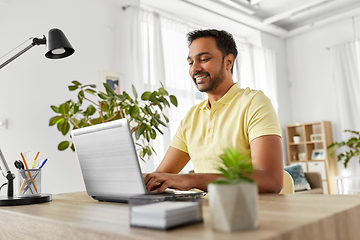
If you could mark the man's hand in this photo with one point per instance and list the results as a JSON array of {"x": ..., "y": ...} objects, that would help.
[
  {"x": 184, "y": 182},
  {"x": 161, "y": 181}
]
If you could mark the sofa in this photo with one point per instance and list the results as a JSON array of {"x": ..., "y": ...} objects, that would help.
[{"x": 314, "y": 179}]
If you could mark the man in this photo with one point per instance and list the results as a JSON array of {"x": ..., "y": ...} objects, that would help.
[{"x": 230, "y": 117}]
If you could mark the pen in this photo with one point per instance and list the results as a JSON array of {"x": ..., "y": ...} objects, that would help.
[
  {"x": 34, "y": 163},
  {"x": 42, "y": 164},
  {"x": 32, "y": 180}
]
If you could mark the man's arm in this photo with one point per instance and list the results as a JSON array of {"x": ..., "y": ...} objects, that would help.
[
  {"x": 165, "y": 176},
  {"x": 266, "y": 155}
]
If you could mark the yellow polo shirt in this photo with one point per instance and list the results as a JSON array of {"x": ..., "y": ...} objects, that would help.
[{"x": 240, "y": 116}]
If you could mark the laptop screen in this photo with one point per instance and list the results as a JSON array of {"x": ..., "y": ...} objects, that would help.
[{"x": 108, "y": 161}]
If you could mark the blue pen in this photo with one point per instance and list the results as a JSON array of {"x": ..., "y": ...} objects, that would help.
[{"x": 42, "y": 164}]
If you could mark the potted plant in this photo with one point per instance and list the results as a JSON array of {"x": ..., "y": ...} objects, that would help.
[
  {"x": 145, "y": 115},
  {"x": 233, "y": 199},
  {"x": 352, "y": 145},
  {"x": 296, "y": 138}
]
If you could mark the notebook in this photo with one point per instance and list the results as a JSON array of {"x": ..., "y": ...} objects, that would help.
[
  {"x": 165, "y": 215},
  {"x": 109, "y": 163}
]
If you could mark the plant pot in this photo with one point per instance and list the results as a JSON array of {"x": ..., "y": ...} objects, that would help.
[
  {"x": 233, "y": 207},
  {"x": 296, "y": 139}
]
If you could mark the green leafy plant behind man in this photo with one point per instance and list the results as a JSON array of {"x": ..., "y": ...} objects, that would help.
[{"x": 145, "y": 115}]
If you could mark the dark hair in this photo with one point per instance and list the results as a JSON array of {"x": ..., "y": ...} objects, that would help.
[{"x": 225, "y": 41}]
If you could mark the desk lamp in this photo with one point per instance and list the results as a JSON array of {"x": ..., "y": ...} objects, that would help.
[{"x": 57, "y": 46}]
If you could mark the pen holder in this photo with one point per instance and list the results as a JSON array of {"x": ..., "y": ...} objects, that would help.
[{"x": 29, "y": 182}]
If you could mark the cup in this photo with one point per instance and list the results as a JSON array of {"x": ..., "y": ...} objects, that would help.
[{"x": 29, "y": 182}]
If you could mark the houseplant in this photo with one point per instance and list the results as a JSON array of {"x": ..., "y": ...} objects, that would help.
[
  {"x": 233, "y": 198},
  {"x": 352, "y": 147},
  {"x": 296, "y": 138},
  {"x": 145, "y": 115}
]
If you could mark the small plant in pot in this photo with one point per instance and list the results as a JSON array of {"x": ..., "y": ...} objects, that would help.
[
  {"x": 352, "y": 147},
  {"x": 296, "y": 138},
  {"x": 233, "y": 198}
]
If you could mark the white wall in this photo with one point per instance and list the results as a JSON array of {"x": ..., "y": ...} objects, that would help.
[
  {"x": 100, "y": 33},
  {"x": 310, "y": 72}
]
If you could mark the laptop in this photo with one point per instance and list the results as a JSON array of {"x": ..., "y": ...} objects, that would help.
[{"x": 110, "y": 165}]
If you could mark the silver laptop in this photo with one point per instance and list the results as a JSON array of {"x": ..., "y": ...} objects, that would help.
[{"x": 109, "y": 163}]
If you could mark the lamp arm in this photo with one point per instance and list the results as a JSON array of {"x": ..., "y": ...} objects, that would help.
[{"x": 36, "y": 41}]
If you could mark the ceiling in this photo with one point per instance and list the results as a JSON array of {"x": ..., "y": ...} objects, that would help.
[
  {"x": 283, "y": 18},
  {"x": 292, "y": 14}
]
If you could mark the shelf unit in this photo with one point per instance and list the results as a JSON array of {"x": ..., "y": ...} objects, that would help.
[{"x": 311, "y": 152}]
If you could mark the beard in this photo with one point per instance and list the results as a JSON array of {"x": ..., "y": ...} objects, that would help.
[{"x": 213, "y": 82}]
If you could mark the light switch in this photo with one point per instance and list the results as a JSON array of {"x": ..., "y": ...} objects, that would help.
[{"x": 3, "y": 123}]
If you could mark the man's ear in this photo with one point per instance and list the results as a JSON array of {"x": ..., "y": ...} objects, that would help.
[{"x": 229, "y": 61}]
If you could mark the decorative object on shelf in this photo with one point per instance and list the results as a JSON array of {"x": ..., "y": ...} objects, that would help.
[
  {"x": 318, "y": 154},
  {"x": 145, "y": 115},
  {"x": 294, "y": 155},
  {"x": 315, "y": 137},
  {"x": 353, "y": 146},
  {"x": 233, "y": 199},
  {"x": 296, "y": 138},
  {"x": 302, "y": 156}
]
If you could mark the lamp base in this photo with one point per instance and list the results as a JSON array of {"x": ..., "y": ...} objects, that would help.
[{"x": 14, "y": 201}]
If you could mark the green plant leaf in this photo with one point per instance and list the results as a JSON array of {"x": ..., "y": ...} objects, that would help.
[
  {"x": 76, "y": 83},
  {"x": 64, "y": 108},
  {"x": 120, "y": 97},
  {"x": 65, "y": 128},
  {"x": 152, "y": 134},
  {"x": 134, "y": 92},
  {"x": 102, "y": 95},
  {"x": 173, "y": 100},
  {"x": 96, "y": 121},
  {"x": 91, "y": 91},
  {"x": 72, "y": 87},
  {"x": 145, "y": 96},
  {"x": 54, "y": 120},
  {"x": 63, "y": 145},
  {"x": 109, "y": 90},
  {"x": 55, "y": 109},
  {"x": 91, "y": 110},
  {"x": 140, "y": 130},
  {"x": 90, "y": 85},
  {"x": 72, "y": 147}
]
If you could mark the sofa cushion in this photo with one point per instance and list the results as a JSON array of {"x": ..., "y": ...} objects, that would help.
[{"x": 297, "y": 173}]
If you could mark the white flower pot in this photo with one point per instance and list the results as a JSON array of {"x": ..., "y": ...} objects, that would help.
[
  {"x": 296, "y": 139},
  {"x": 233, "y": 207}
]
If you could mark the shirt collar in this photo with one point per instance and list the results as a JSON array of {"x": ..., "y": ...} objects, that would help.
[{"x": 229, "y": 95}]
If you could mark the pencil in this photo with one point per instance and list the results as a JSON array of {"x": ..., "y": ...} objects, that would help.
[
  {"x": 35, "y": 160},
  {"x": 32, "y": 180}
]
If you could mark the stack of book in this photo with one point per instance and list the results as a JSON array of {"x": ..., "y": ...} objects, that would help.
[{"x": 165, "y": 215}]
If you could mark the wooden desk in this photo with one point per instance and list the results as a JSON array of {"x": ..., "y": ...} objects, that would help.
[{"x": 77, "y": 216}]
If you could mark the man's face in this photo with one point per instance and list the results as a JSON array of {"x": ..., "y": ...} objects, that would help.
[{"x": 206, "y": 64}]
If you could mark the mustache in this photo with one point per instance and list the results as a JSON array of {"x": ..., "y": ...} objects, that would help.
[{"x": 200, "y": 73}]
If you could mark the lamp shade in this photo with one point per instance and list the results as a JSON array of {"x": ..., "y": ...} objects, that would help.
[{"x": 57, "y": 45}]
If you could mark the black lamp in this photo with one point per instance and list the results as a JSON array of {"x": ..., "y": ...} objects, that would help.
[{"x": 57, "y": 46}]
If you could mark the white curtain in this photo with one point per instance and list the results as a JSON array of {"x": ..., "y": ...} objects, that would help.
[
  {"x": 346, "y": 79},
  {"x": 160, "y": 55},
  {"x": 256, "y": 69}
]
